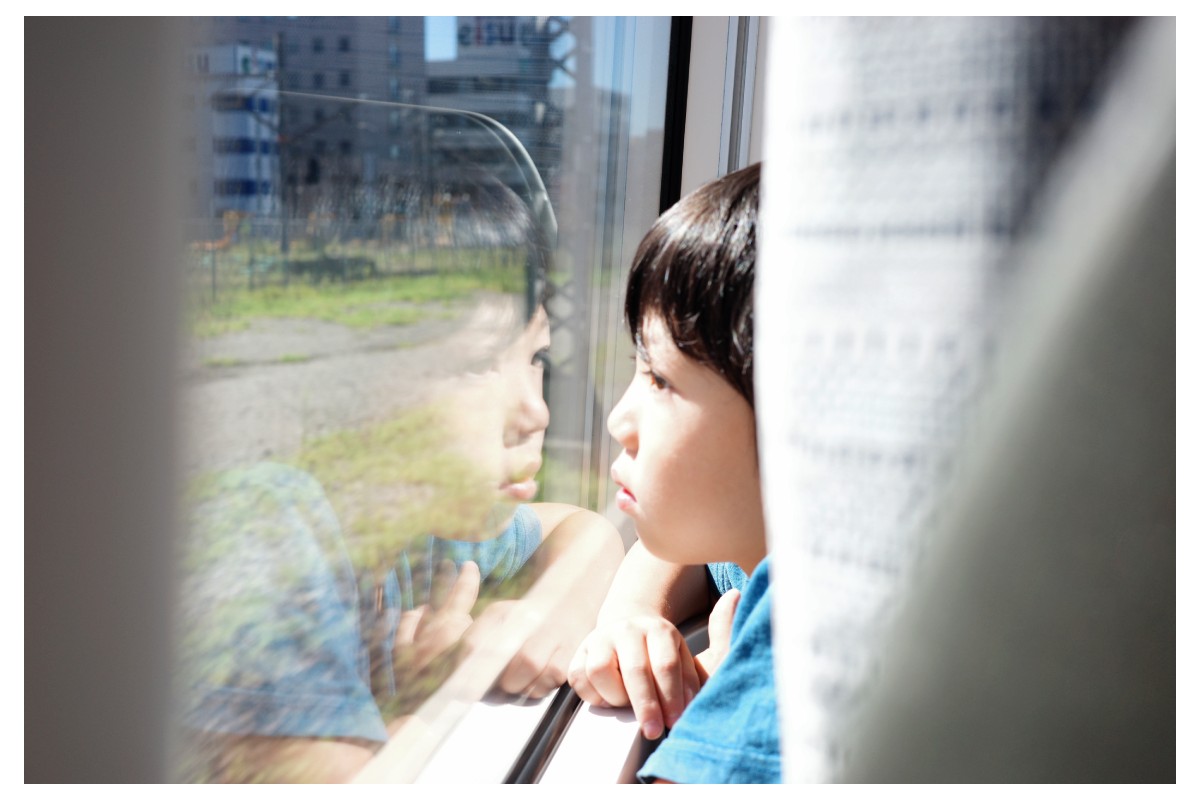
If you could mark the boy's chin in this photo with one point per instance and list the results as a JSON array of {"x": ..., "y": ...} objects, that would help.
[{"x": 654, "y": 546}]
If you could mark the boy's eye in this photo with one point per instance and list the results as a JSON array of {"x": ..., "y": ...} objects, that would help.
[
  {"x": 541, "y": 359},
  {"x": 658, "y": 381}
]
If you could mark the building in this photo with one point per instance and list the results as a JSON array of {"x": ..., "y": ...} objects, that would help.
[
  {"x": 234, "y": 132},
  {"x": 335, "y": 141},
  {"x": 343, "y": 144},
  {"x": 502, "y": 69}
]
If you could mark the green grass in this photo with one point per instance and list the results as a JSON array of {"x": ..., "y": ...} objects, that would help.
[
  {"x": 397, "y": 480},
  {"x": 389, "y": 483},
  {"x": 211, "y": 328},
  {"x": 387, "y": 301},
  {"x": 219, "y": 362}
]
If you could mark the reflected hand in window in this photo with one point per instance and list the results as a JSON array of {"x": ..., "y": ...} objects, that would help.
[
  {"x": 429, "y": 630},
  {"x": 540, "y": 665},
  {"x": 576, "y": 563}
]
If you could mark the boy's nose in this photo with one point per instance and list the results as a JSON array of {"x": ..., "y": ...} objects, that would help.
[
  {"x": 531, "y": 414},
  {"x": 621, "y": 423}
]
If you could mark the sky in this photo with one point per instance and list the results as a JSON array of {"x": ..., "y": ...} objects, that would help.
[{"x": 441, "y": 44}]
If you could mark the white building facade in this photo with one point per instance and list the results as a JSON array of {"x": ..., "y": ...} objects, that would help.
[{"x": 236, "y": 130}]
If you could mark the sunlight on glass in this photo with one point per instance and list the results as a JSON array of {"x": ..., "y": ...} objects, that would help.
[{"x": 371, "y": 295}]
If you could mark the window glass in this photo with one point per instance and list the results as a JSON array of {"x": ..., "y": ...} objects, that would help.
[{"x": 402, "y": 339}]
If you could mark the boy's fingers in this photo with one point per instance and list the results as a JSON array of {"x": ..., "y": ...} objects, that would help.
[
  {"x": 465, "y": 590},
  {"x": 720, "y": 621},
  {"x": 539, "y": 675},
  {"x": 577, "y": 676},
  {"x": 482, "y": 633},
  {"x": 551, "y": 678},
  {"x": 410, "y": 623},
  {"x": 575, "y": 670},
  {"x": 444, "y": 576},
  {"x": 663, "y": 649},
  {"x": 691, "y": 678},
  {"x": 604, "y": 674},
  {"x": 638, "y": 677},
  {"x": 523, "y": 670}
]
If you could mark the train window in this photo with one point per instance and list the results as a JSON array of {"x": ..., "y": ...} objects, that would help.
[{"x": 400, "y": 348}]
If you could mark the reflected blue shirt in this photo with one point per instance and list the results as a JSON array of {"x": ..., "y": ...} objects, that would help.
[
  {"x": 730, "y": 732},
  {"x": 274, "y": 621}
]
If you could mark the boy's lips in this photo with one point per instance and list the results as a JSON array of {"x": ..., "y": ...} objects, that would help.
[
  {"x": 626, "y": 501},
  {"x": 522, "y": 491},
  {"x": 523, "y": 485}
]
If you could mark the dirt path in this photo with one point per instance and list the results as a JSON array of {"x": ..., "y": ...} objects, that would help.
[{"x": 258, "y": 393}]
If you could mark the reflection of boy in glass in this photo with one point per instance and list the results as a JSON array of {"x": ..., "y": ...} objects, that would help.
[
  {"x": 299, "y": 658},
  {"x": 688, "y": 476}
]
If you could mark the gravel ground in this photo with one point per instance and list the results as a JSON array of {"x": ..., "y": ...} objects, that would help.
[{"x": 258, "y": 393}]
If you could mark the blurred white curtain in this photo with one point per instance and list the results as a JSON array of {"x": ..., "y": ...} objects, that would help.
[{"x": 965, "y": 343}]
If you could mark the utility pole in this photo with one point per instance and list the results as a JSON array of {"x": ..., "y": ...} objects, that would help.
[{"x": 283, "y": 144}]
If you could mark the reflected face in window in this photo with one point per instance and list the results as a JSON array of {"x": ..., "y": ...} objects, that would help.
[
  {"x": 496, "y": 412},
  {"x": 520, "y": 371},
  {"x": 688, "y": 474}
]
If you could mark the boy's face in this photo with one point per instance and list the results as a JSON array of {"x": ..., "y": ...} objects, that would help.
[
  {"x": 688, "y": 475},
  {"x": 498, "y": 415},
  {"x": 519, "y": 372}
]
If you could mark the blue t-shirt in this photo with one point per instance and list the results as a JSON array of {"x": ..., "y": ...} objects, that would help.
[
  {"x": 726, "y": 575},
  {"x": 275, "y": 620},
  {"x": 730, "y": 732}
]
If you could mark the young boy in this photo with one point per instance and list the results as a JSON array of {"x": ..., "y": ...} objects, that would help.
[{"x": 688, "y": 476}]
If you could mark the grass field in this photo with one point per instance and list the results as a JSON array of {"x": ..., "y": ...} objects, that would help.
[{"x": 391, "y": 298}]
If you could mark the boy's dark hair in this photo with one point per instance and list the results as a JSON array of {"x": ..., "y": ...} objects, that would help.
[{"x": 695, "y": 270}]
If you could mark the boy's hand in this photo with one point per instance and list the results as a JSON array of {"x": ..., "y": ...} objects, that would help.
[
  {"x": 539, "y": 666},
  {"x": 720, "y": 630},
  {"x": 642, "y": 662},
  {"x": 579, "y": 554},
  {"x": 427, "y": 631}
]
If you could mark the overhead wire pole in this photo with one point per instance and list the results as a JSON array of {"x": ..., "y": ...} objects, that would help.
[
  {"x": 283, "y": 144},
  {"x": 567, "y": 45},
  {"x": 552, "y": 30}
]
